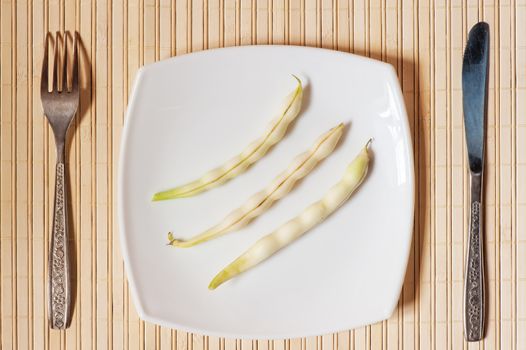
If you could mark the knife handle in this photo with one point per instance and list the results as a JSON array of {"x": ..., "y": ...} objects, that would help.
[{"x": 474, "y": 297}]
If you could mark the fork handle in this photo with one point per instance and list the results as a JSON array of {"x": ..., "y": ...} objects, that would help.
[
  {"x": 59, "y": 283},
  {"x": 474, "y": 299}
]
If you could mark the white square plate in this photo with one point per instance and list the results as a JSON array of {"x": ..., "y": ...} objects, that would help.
[{"x": 191, "y": 113}]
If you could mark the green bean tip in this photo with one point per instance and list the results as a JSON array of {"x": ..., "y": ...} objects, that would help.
[
  {"x": 171, "y": 238},
  {"x": 296, "y": 77}
]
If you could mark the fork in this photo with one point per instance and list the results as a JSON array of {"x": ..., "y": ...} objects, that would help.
[{"x": 60, "y": 105}]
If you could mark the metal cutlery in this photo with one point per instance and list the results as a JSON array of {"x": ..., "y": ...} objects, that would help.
[
  {"x": 60, "y": 105},
  {"x": 475, "y": 92}
]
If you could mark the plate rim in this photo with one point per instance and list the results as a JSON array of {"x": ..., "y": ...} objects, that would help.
[{"x": 399, "y": 102}]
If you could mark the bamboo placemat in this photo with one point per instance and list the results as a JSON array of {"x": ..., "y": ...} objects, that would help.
[{"x": 422, "y": 39}]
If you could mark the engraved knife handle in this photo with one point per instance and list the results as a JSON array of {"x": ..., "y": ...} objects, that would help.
[
  {"x": 474, "y": 297},
  {"x": 59, "y": 283}
]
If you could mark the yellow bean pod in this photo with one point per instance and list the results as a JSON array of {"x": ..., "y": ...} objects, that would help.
[
  {"x": 249, "y": 156},
  {"x": 277, "y": 189},
  {"x": 295, "y": 228}
]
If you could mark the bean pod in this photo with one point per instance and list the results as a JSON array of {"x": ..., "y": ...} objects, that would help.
[
  {"x": 295, "y": 228},
  {"x": 278, "y": 188},
  {"x": 249, "y": 156}
]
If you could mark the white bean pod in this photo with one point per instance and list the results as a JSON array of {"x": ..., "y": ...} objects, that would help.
[
  {"x": 278, "y": 188},
  {"x": 293, "y": 229},
  {"x": 241, "y": 162}
]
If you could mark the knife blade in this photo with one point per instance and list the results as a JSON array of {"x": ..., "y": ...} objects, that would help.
[
  {"x": 474, "y": 89},
  {"x": 474, "y": 94}
]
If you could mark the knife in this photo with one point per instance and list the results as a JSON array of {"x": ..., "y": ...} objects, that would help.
[{"x": 474, "y": 94}]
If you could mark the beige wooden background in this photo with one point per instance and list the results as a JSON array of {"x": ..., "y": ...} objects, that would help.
[{"x": 424, "y": 41}]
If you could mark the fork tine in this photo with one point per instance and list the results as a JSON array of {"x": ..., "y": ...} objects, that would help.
[
  {"x": 44, "y": 78},
  {"x": 75, "y": 71},
  {"x": 55, "y": 63},
  {"x": 65, "y": 64}
]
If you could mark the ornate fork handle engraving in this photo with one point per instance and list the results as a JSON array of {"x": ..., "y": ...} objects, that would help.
[
  {"x": 59, "y": 283},
  {"x": 474, "y": 292}
]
